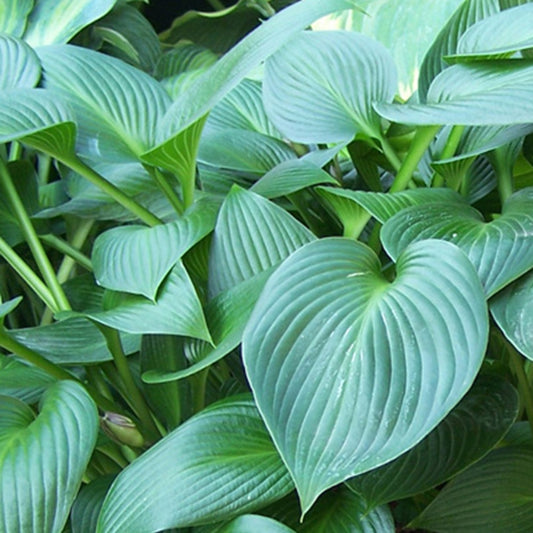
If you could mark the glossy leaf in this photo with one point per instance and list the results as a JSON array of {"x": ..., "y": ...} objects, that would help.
[
  {"x": 251, "y": 235},
  {"x": 43, "y": 461},
  {"x": 20, "y": 65},
  {"x": 136, "y": 259},
  {"x": 176, "y": 311},
  {"x": 480, "y": 93},
  {"x": 227, "y": 466},
  {"x": 512, "y": 310},
  {"x": 493, "y": 495},
  {"x": 13, "y": 15},
  {"x": 321, "y": 86},
  {"x": 500, "y": 250},
  {"x": 329, "y": 307},
  {"x": 250, "y": 523},
  {"x": 57, "y": 21},
  {"x": 468, "y": 433},
  {"x": 86, "y": 508}
]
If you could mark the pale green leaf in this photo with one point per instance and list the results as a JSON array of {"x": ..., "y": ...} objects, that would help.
[
  {"x": 20, "y": 65},
  {"x": 251, "y": 235},
  {"x": 252, "y": 524},
  {"x": 321, "y": 86},
  {"x": 329, "y": 307},
  {"x": 227, "y": 466},
  {"x": 42, "y": 463},
  {"x": 468, "y": 433},
  {"x": 136, "y": 259},
  {"x": 184, "y": 57},
  {"x": 57, "y": 21},
  {"x": 494, "y": 495},
  {"x": 512, "y": 310},
  {"x": 13, "y": 16},
  {"x": 500, "y": 250}
]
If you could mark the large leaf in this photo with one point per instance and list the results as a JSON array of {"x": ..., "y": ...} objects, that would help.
[
  {"x": 348, "y": 370},
  {"x": 321, "y": 86},
  {"x": 480, "y": 93},
  {"x": 512, "y": 310},
  {"x": 500, "y": 250},
  {"x": 469, "y": 432},
  {"x": 251, "y": 235},
  {"x": 13, "y": 15},
  {"x": 42, "y": 461},
  {"x": 57, "y": 21},
  {"x": 136, "y": 259},
  {"x": 249, "y": 523},
  {"x": 20, "y": 65},
  {"x": 493, "y": 495},
  {"x": 227, "y": 466}
]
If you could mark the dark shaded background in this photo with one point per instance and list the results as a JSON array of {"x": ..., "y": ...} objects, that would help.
[{"x": 161, "y": 13}]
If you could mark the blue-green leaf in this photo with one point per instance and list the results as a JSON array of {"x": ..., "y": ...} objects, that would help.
[{"x": 20, "y": 65}]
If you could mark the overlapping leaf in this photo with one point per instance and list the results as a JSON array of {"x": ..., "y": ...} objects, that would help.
[
  {"x": 227, "y": 466},
  {"x": 321, "y": 86},
  {"x": 13, "y": 15},
  {"x": 86, "y": 508},
  {"x": 20, "y": 65},
  {"x": 348, "y": 370},
  {"x": 500, "y": 250},
  {"x": 42, "y": 461},
  {"x": 249, "y": 523}
]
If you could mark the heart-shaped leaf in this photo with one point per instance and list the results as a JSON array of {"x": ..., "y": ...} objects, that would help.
[
  {"x": 470, "y": 431},
  {"x": 251, "y": 235},
  {"x": 348, "y": 370},
  {"x": 493, "y": 495},
  {"x": 512, "y": 310},
  {"x": 227, "y": 466},
  {"x": 320, "y": 87},
  {"x": 500, "y": 250},
  {"x": 13, "y": 15},
  {"x": 42, "y": 461},
  {"x": 20, "y": 65},
  {"x": 136, "y": 259}
]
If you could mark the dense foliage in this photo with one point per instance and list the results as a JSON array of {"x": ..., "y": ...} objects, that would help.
[{"x": 261, "y": 275}]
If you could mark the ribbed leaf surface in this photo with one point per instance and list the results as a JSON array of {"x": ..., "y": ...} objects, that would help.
[
  {"x": 470, "y": 431},
  {"x": 20, "y": 65},
  {"x": 500, "y": 250},
  {"x": 348, "y": 370},
  {"x": 480, "y": 93},
  {"x": 136, "y": 259},
  {"x": 13, "y": 14},
  {"x": 512, "y": 310},
  {"x": 217, "y": 465},
  {"x": 321, "y": 86},
  {"x": 42, "y": 464},
  {"x": 251, "y": 235},
  {"x": 86, "y": 508},
  {"x": 250, "y": 523},
  {"x": 494, "y": 495}
]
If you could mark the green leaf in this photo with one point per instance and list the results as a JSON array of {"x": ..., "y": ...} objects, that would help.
[
  {"x": 329, "y": 307},
  {"x": 13, "y": 16},
  {"x": 321, "y": 86},
  {"x": 71, "y": 341},
  {"x": 469, "y": 432},
  {"x": 36, "y": 118},
  {"x": 480, "y": 93},
  {"x": 118, "y": 107},
  {"x": 251, "y": 235},
  {"x": 136, "y": 259},
  {"x": 15, "y": 416},
  {"x": 183, "y": 57},
  {"x": 291, "y": 176},
  {"x": 227, "y": 466},
  {"x": 512, "y": 309},
  {"x": 86, "y": 507},
  {"x": 57, "y": 21},
  {"x": 43, "y": 461},
  {"x": 499, "y": 35},
  {"x": 500, "y": 250},
  {"x": 250, "y": 523},
  {"x": 7, "y": 307},
  {"x": 20, "y": 65},
  {"x": 176, "y": 311},
  {"x": 469, "y": 12},
  {"x": 493, "y": 495}
]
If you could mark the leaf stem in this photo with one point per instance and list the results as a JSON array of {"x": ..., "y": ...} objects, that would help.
[
  {"x": 504, "y": 175},
  {"x": 216, "y": 5},
  {"x": 390, "y": 153},
  {"x": 198, "y": 383},
  {"x": 166, "y": 188},
  {"x": 422, "y": 139},
  {"x": 448, "y": 151},
  {"x": 70, "y": 250},
  {"x": 517, "y": 364}
]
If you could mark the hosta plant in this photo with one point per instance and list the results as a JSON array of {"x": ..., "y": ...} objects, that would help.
[{"x": 269, "y": 271}]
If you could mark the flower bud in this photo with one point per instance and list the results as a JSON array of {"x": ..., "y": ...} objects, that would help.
[{"x": 121, "y": 429}]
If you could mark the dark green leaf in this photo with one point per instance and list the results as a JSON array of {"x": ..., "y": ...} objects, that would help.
[{"x": 86, "y": 507}]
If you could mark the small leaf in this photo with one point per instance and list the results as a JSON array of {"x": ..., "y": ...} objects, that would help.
[
  {"x": 20, "y": 65},
  {"x": 42, "y": 463},
  {"x": 13, "y": 16},
  {"x": 250, "y": 523},
  {"x": 500, "y": 250},
  {"x": 512, "y": 310},
  {"x": 7, "y": 307},
  {"x": 227, "y": 466},
  {"x": 321, "y": 86},
  {"x": 329, "y": 307},
  {"x": 493, "y": 495},
  {"x": 469, "y": 432}
]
